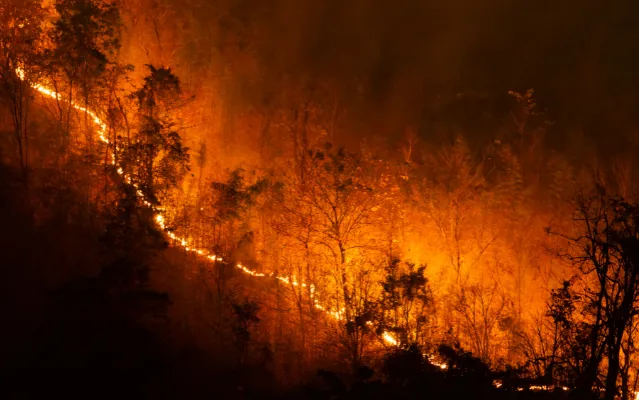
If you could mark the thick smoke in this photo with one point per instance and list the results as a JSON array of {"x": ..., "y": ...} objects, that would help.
[
  {"x": 579, "y": 56},
  {"x": 397, "y": 63}
]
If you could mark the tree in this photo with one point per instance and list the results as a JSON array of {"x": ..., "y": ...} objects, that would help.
[
  {"x": 228, "y": 214},
  {"x": 405, "y": 302},
  {"x": 456, "y": 200},
  {"x": 130, "y": 240},
  {"x": 85, "y": 35},
  {"x": 606, "y": 253},
  {"x": 561, "y": 309},
  {"x": 245, "y": 313},
  {"x": 20, "y": 38},
  {"x": 154, "y": 157},
  {"x": 345, "y": 192},
  {"x": 483, "y": 313},
  {"x": 531, "y": 124},
  {"x": 234, "y": 197}
]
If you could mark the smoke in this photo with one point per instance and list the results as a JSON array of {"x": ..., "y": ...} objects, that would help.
[
  {"x": 579, "y": 56},
  {"x": 393, "y": 63}
]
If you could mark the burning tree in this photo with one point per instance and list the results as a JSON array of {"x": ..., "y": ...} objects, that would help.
[
  {"x": 341, "y": 190},
  {"x": 155, "y": 157},
  {"x": 406, "y": 301},
  {"x": 329, "y": 218},
  {"x": 84, "y": 40}
]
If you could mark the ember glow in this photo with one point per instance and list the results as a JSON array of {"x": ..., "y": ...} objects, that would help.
[{"x": 388, "y": 338}]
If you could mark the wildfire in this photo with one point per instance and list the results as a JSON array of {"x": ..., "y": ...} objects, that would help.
[
  {"x": 388, "y": 338},
  {"x": 182, "y": 242},
  {"x": 548, "y": 388},
  {"x": 437, "y": 363}
]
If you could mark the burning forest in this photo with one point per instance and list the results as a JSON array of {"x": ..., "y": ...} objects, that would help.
[{"x": 319, "y": 199}]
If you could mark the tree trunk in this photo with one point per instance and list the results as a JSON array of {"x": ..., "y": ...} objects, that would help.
[{"x": 613, "y": 369}]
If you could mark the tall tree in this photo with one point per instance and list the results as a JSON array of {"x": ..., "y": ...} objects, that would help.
[
  {"x": 606, "y": 253},
  {"x": 20, "y": 39},
  {"x": 85, "y": 39},
  {"x": 230, "y": 203},
  {"x": 155, "y": 157},
  {"x": 346, "y": 191},
  {"x": 405, "y": 301}
]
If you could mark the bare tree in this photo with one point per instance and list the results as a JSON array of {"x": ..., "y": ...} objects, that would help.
[{"x": 606, "y": 253}]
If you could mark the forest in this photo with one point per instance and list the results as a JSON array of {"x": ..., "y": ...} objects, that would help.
[{"x": 319, "y": 199}]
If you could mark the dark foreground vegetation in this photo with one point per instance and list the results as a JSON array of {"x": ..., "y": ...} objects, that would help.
[{"x": 81, "y": 320}]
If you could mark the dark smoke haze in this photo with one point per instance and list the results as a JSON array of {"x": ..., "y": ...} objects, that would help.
[{"x": 396, "y": 63}]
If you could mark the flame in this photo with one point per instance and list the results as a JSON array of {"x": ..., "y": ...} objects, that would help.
[
  {"x": 498, "y": 383},
  {"x": 388, "y": 338},
  {"x": 434, "y": 361},
  {"x": 537, "y": 388}
]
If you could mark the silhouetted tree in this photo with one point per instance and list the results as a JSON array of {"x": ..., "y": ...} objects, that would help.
[
  {"x": 85, "y": 35},
  {"x": 245, "y": 313},
  {"x": 155, "y": 157},
  {"x": 606, "y": 253},
  {"x": 406, "y": 299},
  {"x": 20, "y": 38}
]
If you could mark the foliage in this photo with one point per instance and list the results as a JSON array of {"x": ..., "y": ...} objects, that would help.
[
  {"x": 233, "y": 198},
  {"x": 245, "y": 313},
  {"x": 155, "y": 156},
  {"x": 84, "y": 36},
  {"x": 405, "y": 301},
  {"x": 20, "y": 34},
  {"x": 605, "y": 254}
]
